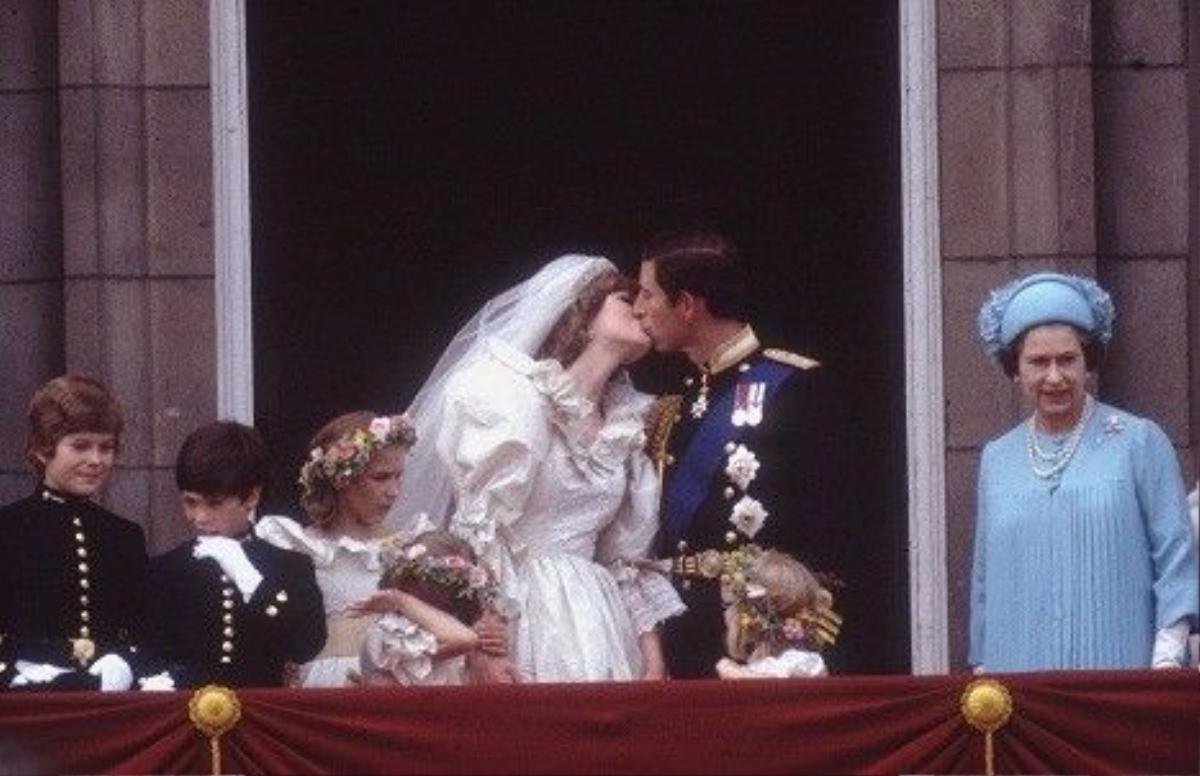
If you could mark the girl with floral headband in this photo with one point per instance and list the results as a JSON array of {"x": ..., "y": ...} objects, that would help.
[
  {"x": 777, "y": 617},
  {"x": 348, "y": 482},
  {"x": 430, "y": 592}
]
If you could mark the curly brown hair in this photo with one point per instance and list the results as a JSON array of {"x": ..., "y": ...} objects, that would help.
[
  {"x": 569, "y": 336},
  {"x": 319, "y": 501}
]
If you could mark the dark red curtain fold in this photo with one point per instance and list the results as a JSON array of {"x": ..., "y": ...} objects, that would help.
[{"x": 1088, "y": 722}]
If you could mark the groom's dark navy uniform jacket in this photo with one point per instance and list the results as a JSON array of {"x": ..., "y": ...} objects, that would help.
[{"x": 751, "y": 406}]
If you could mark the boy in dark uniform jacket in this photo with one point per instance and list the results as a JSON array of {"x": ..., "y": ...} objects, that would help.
[
  {"x": 72, "y": 573},
  {"x": 226, "y": 607},
  {"x": 742, "y": 448}
]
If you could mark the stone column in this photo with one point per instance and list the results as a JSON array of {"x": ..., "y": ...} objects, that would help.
[
  {"x": 1142, "y": 203},
  {"x": 137, "y": 238},
  {"x": 31, "y": 307}
]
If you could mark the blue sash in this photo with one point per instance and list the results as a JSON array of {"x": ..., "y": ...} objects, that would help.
[{"x": 691, "y": 479}]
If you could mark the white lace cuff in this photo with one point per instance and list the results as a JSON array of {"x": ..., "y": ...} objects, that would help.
[{"x": 649, "y": 597}]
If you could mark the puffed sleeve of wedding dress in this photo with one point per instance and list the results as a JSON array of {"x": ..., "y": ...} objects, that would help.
[
  {"x": 495, "y": 433},
  {"x": 648, "y": 594}
]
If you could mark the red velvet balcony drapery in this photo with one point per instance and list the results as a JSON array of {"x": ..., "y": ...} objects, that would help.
[{"x": 1086, "y": 722}]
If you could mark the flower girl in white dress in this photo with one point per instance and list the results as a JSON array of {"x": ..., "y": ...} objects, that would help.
[
  {"x": 430, "y": 592},
  {"x": 777, "y": 617},
  {"x": 349, "y": 482}
]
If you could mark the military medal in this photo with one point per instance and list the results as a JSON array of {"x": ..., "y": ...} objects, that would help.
[{"x": 748, "y": 399}]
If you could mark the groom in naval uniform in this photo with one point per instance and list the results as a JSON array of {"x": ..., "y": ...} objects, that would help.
[{"x": 742, "y": 448}]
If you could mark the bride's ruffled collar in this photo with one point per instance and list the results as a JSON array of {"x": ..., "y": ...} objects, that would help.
[
  {"x": 624, "y": 408},
  {"x": 548, "y": 377}
]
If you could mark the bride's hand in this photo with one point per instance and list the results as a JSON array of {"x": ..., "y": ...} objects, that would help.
[{"x": 654, "y": 668}]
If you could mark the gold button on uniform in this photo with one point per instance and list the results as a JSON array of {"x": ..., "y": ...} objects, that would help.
[
  {"x": 728, "y": 492},
  {"x": 272, "y": 610},
  {"x": 84, "y": 616},
  {"x": 85, "y": 632},
  {"x": 225, "y": 659},
  {"x": 81, "y": 552},
  {"x": 227, "y": 603},
  {"x": 83, "y": 568},
  {"x": 79, "y": 538},
  {"x": 83, "y": 583},
  {"x": 83, "y": 600},
  {"x": 226, "y": 646},
  {"x": 228, "y": 632}
]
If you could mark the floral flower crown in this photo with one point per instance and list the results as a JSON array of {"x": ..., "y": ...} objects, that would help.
[
  {"x": 348, "y": 455},
  {"x": 813, "y": 628},
  {"x": 453, "y": 572}
]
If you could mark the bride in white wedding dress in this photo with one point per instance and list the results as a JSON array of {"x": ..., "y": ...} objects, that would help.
[{"x": 539, "y": 463}]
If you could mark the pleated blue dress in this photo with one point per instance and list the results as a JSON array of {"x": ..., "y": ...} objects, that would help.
[{"x": 1080, "y": 570}]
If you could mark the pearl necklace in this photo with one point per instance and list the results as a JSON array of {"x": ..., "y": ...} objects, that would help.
[{"x": 1059, "y": 459}]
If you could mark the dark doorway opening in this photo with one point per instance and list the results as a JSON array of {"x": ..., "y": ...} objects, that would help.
[{"x": 411, "y": 159}]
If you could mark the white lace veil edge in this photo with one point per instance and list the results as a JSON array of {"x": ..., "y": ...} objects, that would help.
[{"x": 521, "y": 317}]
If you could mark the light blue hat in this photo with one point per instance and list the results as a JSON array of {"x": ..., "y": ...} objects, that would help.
[{"x": 1046, "y": 297}]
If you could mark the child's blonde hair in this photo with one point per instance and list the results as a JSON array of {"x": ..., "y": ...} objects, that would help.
[{"x": 776, "y": 606}]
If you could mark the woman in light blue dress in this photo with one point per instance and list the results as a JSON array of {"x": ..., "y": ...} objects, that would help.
[{"x": 1083, "y": 553}]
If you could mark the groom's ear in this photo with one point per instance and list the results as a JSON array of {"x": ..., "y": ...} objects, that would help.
[
  {"x": 686, "y": 304},
  {"x": 690, "y": 306}
]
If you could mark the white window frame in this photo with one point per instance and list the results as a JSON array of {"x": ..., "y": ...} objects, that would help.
[{"x": 924, "y": 389}]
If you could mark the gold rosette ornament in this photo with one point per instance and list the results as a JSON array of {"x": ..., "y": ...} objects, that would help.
[
  {"x": 214, "y": 710},
  {"x": 987, "y": 706}
]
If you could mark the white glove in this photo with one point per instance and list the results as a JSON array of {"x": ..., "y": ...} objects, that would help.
[
  {"x": 115, "y": 674},
  {"x": 230, "y": 556},
  {"x": 1170, "y": 646},
  {"x": 36, "y": 673},
  {"x": 160, "y": 682}
]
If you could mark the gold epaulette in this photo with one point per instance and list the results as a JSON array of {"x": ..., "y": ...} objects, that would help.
[
  {"x": 791, "y": 359},
  {"x": 659, "y": 423}
]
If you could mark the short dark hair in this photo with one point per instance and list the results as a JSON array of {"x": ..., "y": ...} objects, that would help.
[
  {"x": 221, "y": 459},
  {"x": 703, "y": 263},
  {"x": 1093, "y": 352},
  {"x": 69, "y": 404}
]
